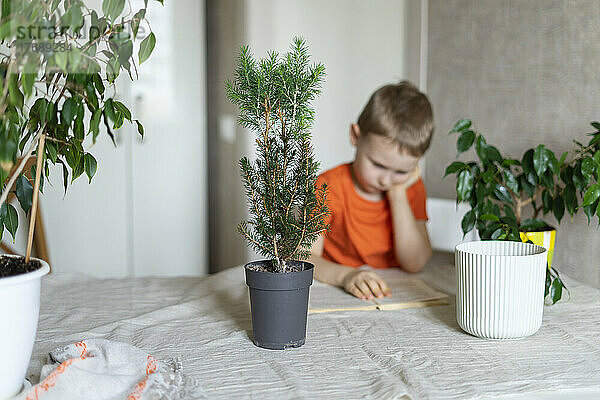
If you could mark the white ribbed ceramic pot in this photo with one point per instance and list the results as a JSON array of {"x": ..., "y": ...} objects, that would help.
[
  {"x": 500, "y": 288},
  {"x": 20, "y": 302}
]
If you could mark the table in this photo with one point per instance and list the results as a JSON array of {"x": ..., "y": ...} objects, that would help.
[{"x": 415, "y": 353}]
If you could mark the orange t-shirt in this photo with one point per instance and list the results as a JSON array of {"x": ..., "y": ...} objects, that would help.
[{"x": 361, "y": 230}]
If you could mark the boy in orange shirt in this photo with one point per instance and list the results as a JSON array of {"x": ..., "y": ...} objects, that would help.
[{"x": 377, "y": 202}]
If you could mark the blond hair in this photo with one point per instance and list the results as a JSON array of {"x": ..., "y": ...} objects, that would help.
[{"x": 401, "y": 113}]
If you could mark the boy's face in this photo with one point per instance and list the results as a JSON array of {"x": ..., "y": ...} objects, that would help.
[{"x": 378, "y": 164}]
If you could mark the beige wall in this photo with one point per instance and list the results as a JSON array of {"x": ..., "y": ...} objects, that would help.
[
  {"x": 226, "y": 32},
  {"x": 527, "y": 73}
]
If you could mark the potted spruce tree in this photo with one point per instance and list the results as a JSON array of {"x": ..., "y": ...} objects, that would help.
[
  {"x": 58, "y": 61},
  {"x": 287, "y": 210},
  {"x": 500, "y": 189}
]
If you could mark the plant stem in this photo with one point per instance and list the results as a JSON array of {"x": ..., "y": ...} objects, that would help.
[
  {"x": 279, "y": 267},
  {"x": 36, "y": 192},
  {"x": 19, "y": 169}
]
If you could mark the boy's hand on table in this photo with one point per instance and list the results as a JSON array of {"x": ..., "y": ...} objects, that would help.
[{"x": 365, "y": 285}]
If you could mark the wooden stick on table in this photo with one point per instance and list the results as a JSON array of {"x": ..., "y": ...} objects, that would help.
[{"x": 36, "y": 191}]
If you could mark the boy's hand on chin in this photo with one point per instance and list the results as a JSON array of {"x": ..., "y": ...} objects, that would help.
[
  {"x": 366, "y": 285},
  {"x": 401, "y": 187}
]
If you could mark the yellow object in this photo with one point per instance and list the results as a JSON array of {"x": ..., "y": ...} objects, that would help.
[{"x": 545, "y": 239}]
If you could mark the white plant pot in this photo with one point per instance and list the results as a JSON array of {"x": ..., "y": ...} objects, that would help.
[
  {"x": 20, "y": 305},
  {"x": 500, "y": 288}
]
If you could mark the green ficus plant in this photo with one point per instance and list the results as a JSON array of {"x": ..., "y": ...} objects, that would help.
[
  {"x": 499, "y": 189},
  {"x": 287, "y": 210},
  {"x": 58, "y": 61}
]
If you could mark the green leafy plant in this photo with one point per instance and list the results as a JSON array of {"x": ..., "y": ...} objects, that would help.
[
  {"x": 287, "y": 211},
  {"x": 58, "y": 62},
  {"x": 499, "y": 189}
]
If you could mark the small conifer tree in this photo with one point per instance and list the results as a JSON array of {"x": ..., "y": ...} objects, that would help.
[{"x": 287, "y": 210}]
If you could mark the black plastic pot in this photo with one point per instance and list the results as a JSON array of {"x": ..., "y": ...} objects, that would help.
[{"x": 279, "y": 305}]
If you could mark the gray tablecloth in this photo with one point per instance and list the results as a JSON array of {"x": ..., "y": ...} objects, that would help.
[{"x": 416, "y": 353}]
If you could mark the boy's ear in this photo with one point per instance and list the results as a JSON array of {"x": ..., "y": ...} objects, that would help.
[{"x": 354, "y": 134}]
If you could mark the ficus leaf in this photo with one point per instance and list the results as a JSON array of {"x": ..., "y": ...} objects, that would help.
[
  {"x": 570, "y": 198},
  {"x": 493, "y": 154},
  {"x": 90, "y": 165},
  {"x": 532, "y": 224},
  {"x": 558, "y": 207},
  {"x": 498, "y": 234},
  {"x": 120, "y": 107},
  {"x": 587, "y": 167},
  {"x": 78, "y": 170},
  {"x": 591, "y": 195},
  {"x": 109, "y": 109},
  {"x": 509, "y": 162},
  {"x": 553, "y": 162},
  {"x": 95, "y": 124},
  {"x": 546, "y": 201},
  {"x": 548, "y": 283},
  {"x": 468, "y": 222},
  {"x": 548, "y": 179},
  {"x": 146, "y": 47},
  {"x": 556, "y": 290},
  {"x": 74, "y": 57},
  {"x": 509, "y": 215},
  {"x": 527, "y": 162},
  {"x": 561, "y": 162},
  {"x": 489, "y": 217},
  {"x": 72, "y": 156},
  {"x": 135, "y": 22},
  {"x": 51, "y": 151},
  {"x": 124, "y": 52},
  {"x": 28, "y": 79},
  {"x": 113, "y": 8},
  {"x": 510, "y": 181},
  {"x": 590, "y": 210},
  {"x": 113, "y": 69},
  {"x": 461, "y": 125},
  {"x": 15, "y": 96},
  {"x": 540, "y": 160},
  {"x": 579, "y": 180},
  {"x": 464, "y": 185},
  {"x": 480, "y": 149},
  {"x": 465, "y": 141},
  {"x": 11, "y": 220},
  {"x": 451, "y": 169},
  {"x": 502, "y": 194},
  {"x": 140, "y": 128},
  {"x": 61, "y": 59},
  {"x": 24, "y": 191},
  {"x": 68, "y": 110}
]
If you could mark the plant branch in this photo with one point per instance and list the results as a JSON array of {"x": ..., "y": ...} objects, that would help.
[
  {"x": 249, "y": 238},
  {"x": 538, "y": 191},
  {"x": 19, "y": 169}
]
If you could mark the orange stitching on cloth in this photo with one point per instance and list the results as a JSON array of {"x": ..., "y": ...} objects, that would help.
[
  {"x": 151, "y": 368},
  {"x": 136, "y": 393},
  {"x": 50, "y": 380},
  {"x": 83, "y": 348}
]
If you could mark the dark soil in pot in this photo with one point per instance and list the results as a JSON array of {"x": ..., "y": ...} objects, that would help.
[
  {"x": 266, "y": 266},
  {"x": 11, "y": 266}
]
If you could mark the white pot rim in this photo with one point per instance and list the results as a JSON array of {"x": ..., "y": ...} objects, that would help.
[
  {"x": 482, "y": 248},
  {"x": 16, "y": 279}
]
